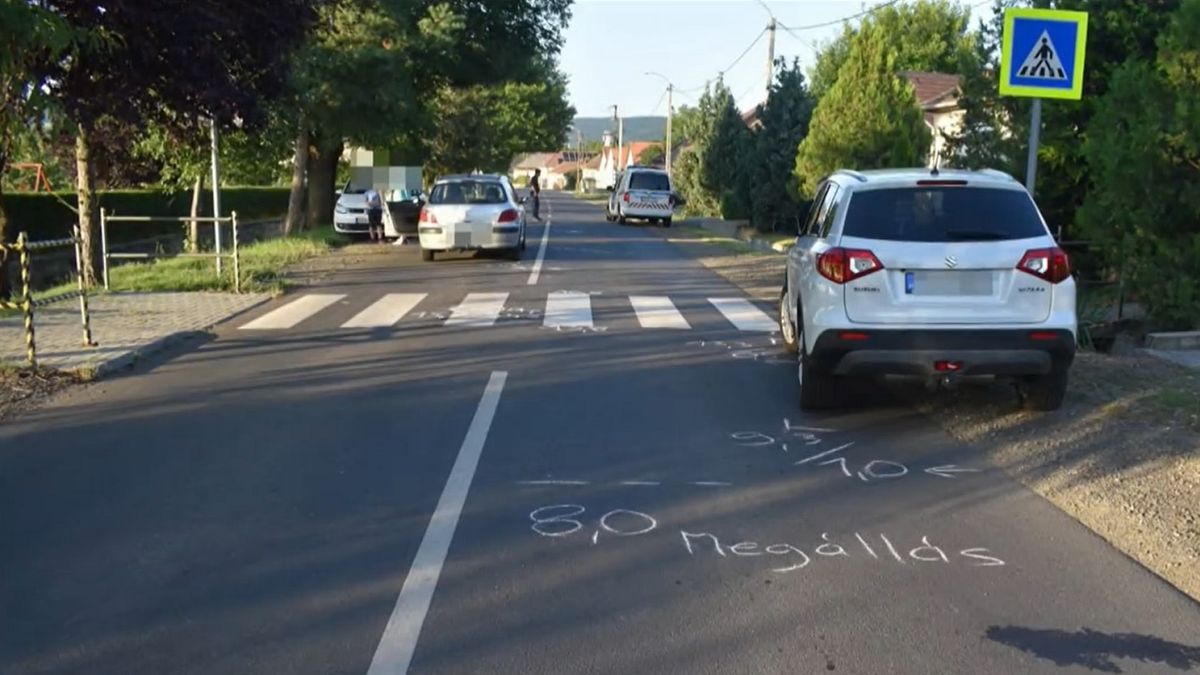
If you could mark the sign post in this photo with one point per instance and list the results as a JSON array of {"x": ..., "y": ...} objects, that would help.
[{"x": 1041, "y": 56}]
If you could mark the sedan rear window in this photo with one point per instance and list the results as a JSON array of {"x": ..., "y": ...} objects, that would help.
[
  {"x": 646, "y": 180},
  {"x": 934, "y": 214},
  {"x": 468, "y": 192}
]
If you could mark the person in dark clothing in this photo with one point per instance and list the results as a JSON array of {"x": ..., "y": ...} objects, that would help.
[
  {"x": 375, "y": 215},
  {"x": 535, "y": 192}
]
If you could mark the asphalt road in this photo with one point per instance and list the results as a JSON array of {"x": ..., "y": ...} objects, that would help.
[{"x": 559, "y": 489}]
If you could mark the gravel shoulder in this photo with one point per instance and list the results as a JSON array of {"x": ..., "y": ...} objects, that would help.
[{"x": 1122, "y": 456}]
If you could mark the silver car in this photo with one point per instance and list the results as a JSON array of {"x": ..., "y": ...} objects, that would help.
[{"x": 472, "y": 213}]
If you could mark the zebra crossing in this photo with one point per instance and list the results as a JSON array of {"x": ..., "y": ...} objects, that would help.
[{"x": 563, "y": 310}]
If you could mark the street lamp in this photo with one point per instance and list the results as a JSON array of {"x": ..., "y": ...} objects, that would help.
[{"x": 670, "y": 113}]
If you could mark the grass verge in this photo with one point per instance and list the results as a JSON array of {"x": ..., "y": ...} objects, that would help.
[
  {"x": 702, "y": 236},
  {"x": 263, "y": 264}
]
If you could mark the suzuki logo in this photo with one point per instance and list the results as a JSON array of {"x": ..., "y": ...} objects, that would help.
[{"x": 951, "y": 261}]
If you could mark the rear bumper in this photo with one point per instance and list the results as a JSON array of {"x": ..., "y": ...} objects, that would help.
[
  {"x": 1009, "y": 352},
  {"x": 500, "y": 236}
]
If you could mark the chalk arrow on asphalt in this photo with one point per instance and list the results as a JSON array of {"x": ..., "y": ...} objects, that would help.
[{"x": 948, "y": 470}]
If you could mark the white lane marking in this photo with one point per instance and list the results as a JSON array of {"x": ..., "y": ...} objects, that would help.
[
  {"x": 640, "y": 482},
  {"x": 711, "y": 483},
  {"x": 292, "y": 313},
  {"x": 744, "y": 315},
  {"x": 477, "y": 309},
  {"x": 536, "y": 272},
  {"x": 395, "y": 651},
  {"x": 657, "y": 311},
  {"x": 568, "y": 309},
  {"x": 552, "y": 482},
  {"x": 385, "y": 311}
]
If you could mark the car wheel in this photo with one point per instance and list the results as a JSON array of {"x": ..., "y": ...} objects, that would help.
[
  {"x": 666, "y": 222},
  {"x": 522, "y": 247},
  {"x": 514, "y": 253},
  {"x": 1045, "y": 392},
  {"x": 787, "y": 329},
  {"x": 427, "y": 254},
  {"x": 819, "y": 390}
]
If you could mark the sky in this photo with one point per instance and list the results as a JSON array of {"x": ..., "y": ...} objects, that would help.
[{"x": 610, "y": 44}]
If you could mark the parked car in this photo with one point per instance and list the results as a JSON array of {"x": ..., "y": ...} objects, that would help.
[
  {"x": 470, "y": 213},
  {"x": 350, "y": 210},
  {"x": 405, "y": 208},
  {"x": 937, "y": 275},
  {"x": 642, "y": 194}
]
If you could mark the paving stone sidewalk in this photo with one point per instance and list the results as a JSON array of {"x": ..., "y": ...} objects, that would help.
[{"x": 126, "y": 325}]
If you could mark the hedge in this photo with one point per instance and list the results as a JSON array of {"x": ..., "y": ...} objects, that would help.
[{"x": 45, "y": 217}]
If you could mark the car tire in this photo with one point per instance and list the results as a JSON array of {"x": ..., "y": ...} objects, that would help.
[
  {"x": 666, "y": 222},
  {"x": 819, "y": 390},
  {"x": 1045, "y": 393},
  {"x": 513, "y": 253},
  {"x": 621, "y": 219},
  {"x": 427, "y": 254},
  {"x": 522, "y": 246},
  {"x": 787, "y": 328}
]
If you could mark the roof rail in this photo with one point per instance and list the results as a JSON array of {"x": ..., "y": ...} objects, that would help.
[
  {"x": 853, "y": 174},
  {"x": 996, "y": 173}
]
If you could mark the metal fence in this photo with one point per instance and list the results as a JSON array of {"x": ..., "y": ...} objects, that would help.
[
  {"x": 217, "y": 254},
  {"x": 23, "y": 248}
]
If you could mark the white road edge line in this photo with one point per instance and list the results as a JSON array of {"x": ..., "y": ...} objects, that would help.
[
  {"x": 395, "y": 651},
  {"x": 536, "y": 273}
]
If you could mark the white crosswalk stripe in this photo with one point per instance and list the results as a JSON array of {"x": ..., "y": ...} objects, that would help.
[
  {"x": 563, "y": 310},
  {"x": 568, "y": 309},
  {"x": 657, "y": 311},
  {"x": 385, "y": 311},
  {"x": 744, "y": 315},
  {"x": 293, "y": 313},
  {"x": 477, "y": 309}
]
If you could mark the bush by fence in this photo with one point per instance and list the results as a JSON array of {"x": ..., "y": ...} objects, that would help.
[{"x": 43, "y": 216}]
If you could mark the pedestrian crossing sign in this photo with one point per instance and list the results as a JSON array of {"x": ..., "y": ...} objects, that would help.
[{"x": 1042, "y": 53}]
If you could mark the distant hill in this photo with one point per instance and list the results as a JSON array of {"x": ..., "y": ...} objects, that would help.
[{"x": 636, "y": 128}]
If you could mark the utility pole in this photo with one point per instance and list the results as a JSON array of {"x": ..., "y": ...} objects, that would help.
[
  {"x": 770, "y": 56},
  {"x": 578, "y": 160},
  {"x": 670, "y": 114},
  {"x": 216, "y": 189},
  {"x": 620, "y": 138}
]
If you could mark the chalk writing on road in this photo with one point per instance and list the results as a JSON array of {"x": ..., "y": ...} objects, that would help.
[
  {"x": 564, "y": 520},
  {"x": 806, "y": 439}
]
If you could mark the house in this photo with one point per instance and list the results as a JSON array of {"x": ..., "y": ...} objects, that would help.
[
  {"x": 937, "y": 95},
  {"x": 614, "y": 160},
  {"x": 592, "y": 174},
  {"x": 525, "y": 165},
  {"x": 751, "y": 117}
]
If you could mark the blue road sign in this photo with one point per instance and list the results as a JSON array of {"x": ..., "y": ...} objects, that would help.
[{"x": 1042, "y": 53}]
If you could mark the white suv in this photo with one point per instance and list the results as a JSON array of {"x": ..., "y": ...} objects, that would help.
[{"x": 935, "y": 275}]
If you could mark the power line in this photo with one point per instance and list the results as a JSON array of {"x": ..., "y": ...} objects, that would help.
[
  {"x": 758, "y": 37},
  {"x": 876, "y": 8},
  {"x": 660, "y": 100}
]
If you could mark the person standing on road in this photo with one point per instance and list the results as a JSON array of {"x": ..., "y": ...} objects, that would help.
[
  {"x": 374, "y": 214},
  {"x": 535, "y": 193}
]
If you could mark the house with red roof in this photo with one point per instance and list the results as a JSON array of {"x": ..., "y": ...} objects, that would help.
[{"x": 937, "y": 95}]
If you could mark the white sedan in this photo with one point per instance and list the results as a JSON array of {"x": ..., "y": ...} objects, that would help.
[{"x": 472, "y": 213}]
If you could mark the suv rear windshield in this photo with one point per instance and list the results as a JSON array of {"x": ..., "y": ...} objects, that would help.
[
  {"x": 942, "y": 214},
  {"x": 649, "y": 180},
  {"x": 468, "y": 192}
]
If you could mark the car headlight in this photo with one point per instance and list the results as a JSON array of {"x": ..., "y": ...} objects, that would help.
[{"x": 340, "y": 209}]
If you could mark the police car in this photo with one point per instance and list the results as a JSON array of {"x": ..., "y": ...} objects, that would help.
[{"x": 642, "y": 194}]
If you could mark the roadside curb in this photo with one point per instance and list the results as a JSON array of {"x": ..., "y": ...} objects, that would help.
[{"x": 129, "y": 358}]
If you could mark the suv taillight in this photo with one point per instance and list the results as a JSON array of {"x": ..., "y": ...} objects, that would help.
[
  {"x": 428, "y": 217},
  {"x": 508, "y": 216},
  {"x": 625, "y": 197},
  {"x": 1050, "y": 264},
  {"x": 842, "y": 265}
]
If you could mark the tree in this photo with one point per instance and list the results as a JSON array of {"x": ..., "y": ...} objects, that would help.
[
  {"x": 174, "y": 63},
  {"x": 653, "y": 155},
  {"x": 868, "y": 119},
  {"x": 483, "y": 128},
  {"x": 405, "y": 48},
  {"x": 785, "y": 119},
  {"x": 1143, "y": 156},
  {"x": 923, "y": 35},
  {"x": 710, "y": 167},
  {"x": 30, "y": 37}
]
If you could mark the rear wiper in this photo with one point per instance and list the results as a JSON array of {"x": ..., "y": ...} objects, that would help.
[{"x": 983, "y": 235}]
